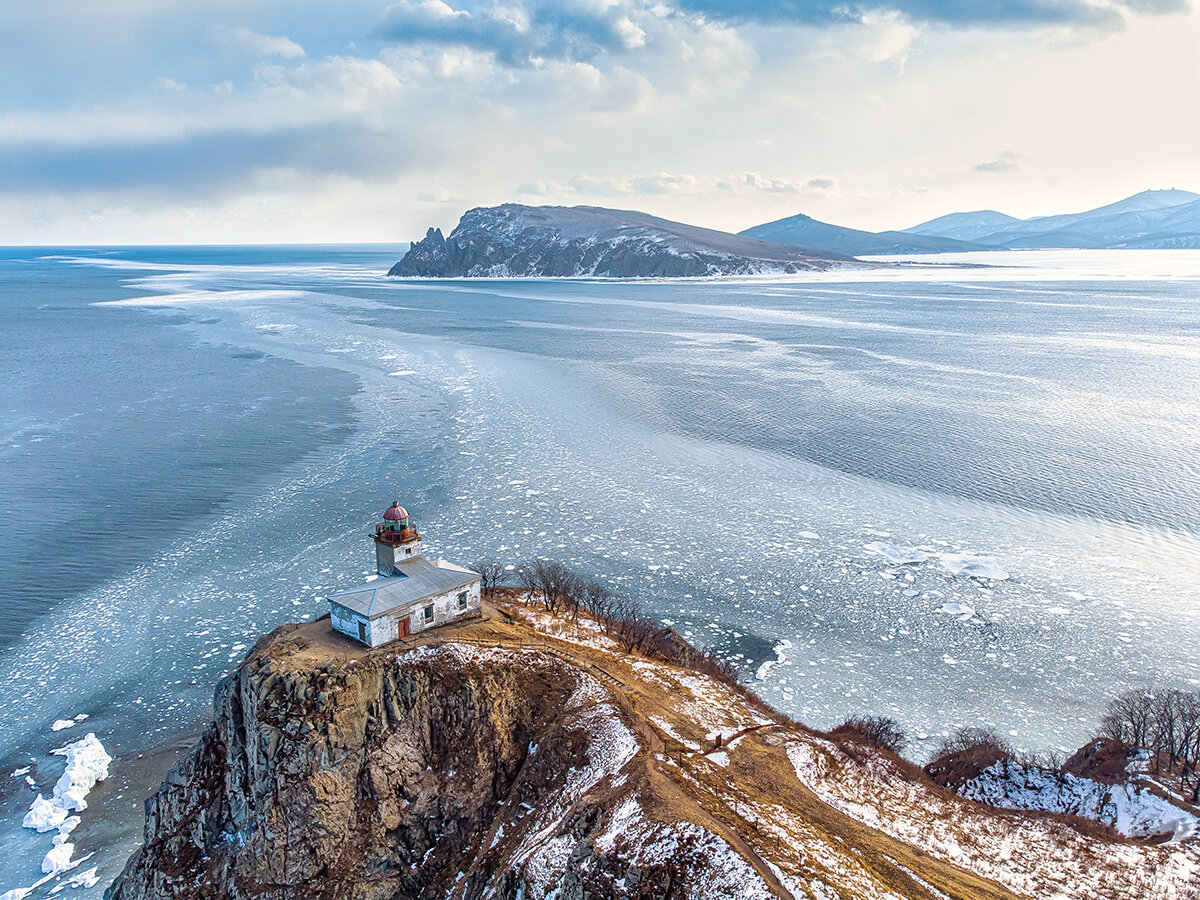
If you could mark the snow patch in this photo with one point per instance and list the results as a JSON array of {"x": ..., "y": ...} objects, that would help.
[{"x": 1131, "y": 810}]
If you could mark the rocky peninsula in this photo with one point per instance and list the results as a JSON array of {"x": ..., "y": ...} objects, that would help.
[
  {"x": 558, "y": 241},
  {"x": 525, "y": 755}
]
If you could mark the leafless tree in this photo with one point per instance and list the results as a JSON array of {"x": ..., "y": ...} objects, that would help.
[
  {"x": 491, "y": 575},
  {"x": 597, "y": 599},
  {"x": 1129, "y": 718},
  {"x": 553, "y": 584}
]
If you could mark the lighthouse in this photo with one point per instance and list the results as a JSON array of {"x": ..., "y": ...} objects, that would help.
[
  {"x": 411, "y": 593},
  {"x": 396, "y": 540}
]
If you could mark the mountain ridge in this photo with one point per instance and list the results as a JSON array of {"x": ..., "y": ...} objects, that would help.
[
  {"x": 514, "y": 240},
  {"x": 1155, "y": 218},
  {"x": 804, "y": 230}
]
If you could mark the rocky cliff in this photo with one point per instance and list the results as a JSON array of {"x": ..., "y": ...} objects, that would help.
[
  {"x": 514, "y": 240},
  {"x": 523, "y": 757}
]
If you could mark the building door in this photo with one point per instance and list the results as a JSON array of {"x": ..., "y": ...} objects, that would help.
[
  {"x": 362, "y": 632},
  {"x": 404, "y": 627}
]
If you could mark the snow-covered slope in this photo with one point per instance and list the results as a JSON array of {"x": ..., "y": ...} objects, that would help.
[
  {"x": 1132, "y": 810},
  {"x": 519, "y": 241},
  {"x": 524, "y": 755},
  {"x": 964, "y": 226},
  {"x": 1166, "y": 219}
]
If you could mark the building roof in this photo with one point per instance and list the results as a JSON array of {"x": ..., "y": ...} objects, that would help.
[{"x": 418, "y": 579}]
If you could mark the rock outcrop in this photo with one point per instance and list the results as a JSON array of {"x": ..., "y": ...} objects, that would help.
[
  {"x": 524, "y": 757},
  {"x": 516, "y": 241}
]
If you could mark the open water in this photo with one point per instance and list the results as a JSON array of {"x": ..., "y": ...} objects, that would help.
[{"x": 194, "y": 443}]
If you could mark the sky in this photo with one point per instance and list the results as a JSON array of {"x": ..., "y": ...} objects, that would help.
[{"x": 156, "y": 121}]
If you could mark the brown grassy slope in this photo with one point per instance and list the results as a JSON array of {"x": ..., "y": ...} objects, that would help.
[{"x": 853, "y": 825}]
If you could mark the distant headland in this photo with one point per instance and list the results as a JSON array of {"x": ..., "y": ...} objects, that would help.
[{"x": 514, "y": 240}]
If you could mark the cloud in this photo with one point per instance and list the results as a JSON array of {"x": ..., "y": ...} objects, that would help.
[
  {"x": 957, "y": 13},
  {"x": 225, "y": 161},
  {"x": 242, "y": 38},
  {"x": 1006, "y": 163},
  {"x": 519, "y": 35},
  {"x": 661, "y": 184}
]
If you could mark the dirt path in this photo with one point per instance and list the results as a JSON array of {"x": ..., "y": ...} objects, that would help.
[
  {"x": 759, "y": 768},
  {"x": 727, "y": 801}
]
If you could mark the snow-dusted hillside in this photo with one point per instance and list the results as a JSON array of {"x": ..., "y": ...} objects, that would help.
[
  {"x": 1167, "y": 219},
  {"x": 530, "y": 756},
  {"x": 1129, "y": 808},
  {"x": 522, "y": 241}
]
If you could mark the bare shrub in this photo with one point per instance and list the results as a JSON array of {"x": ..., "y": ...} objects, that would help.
[
  {"x": 878, "y": 731},
  {"x": 965, "y": 754}
]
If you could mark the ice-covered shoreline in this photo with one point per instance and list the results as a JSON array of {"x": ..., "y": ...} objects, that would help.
[{"x": 87, "y": 763}]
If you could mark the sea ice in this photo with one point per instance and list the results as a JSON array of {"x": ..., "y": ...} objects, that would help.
[
  {"x": 44, "y": 815},
  {"x": 25, "y": 770},
  {"x": 87, "y": 763},
  {"x": 973, "y": 566},
  {"x": 85, "y": 879},
  {"x": 957, "y": 609},
  {"x": 60, "y": 724},
  {"x": 59, "y": 857},
  {"x": 897, "y": 555}
]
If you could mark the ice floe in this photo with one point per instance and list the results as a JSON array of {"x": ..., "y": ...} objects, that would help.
[
  {"x": 59, "y": 857},
  {"x": 897, "y": 555},
  {"x": 973, "y": 566},
  {"x": 60, "y": 724},
  {"x": 44, "y": 815},
  {"x": 87, "y": 763},
  {"x": 780, "y": 647}
]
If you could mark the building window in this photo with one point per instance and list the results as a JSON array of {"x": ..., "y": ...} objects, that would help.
[
  {"x": 362, "y": 631},
  {"x": 462, "y": 600},
  {"x": 429, "y": 612}
]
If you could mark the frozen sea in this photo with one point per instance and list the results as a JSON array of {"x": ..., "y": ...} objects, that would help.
[{"x": 194, "y": 443}]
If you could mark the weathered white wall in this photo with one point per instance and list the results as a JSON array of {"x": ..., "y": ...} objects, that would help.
[
  {"x": 386, "y": 628},
  {"x": 389, "y": 555},
  {"x": 346, "y": 622}
]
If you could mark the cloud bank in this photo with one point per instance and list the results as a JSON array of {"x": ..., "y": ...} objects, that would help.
[{"x": 370, "y": 117}]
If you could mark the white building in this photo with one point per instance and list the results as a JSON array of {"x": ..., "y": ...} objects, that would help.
[{"x": 411, "y": 593}]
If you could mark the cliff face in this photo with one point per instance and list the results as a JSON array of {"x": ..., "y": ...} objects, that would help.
[
  {"x": 382, "y": 779},
  {"x": 514, "y": 240},
  {"x": 503, "y": 762}
]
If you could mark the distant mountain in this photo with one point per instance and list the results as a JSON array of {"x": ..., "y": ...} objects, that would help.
[
  {"x": 1151, "y": 219},
  {"x": 966, "y": 226},
  {"x": 515, "y": 240},
  {"x": 805, "y": 231}
]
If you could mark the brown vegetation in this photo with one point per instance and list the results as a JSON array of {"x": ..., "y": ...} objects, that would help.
[{"x": 965, "y": 754}]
